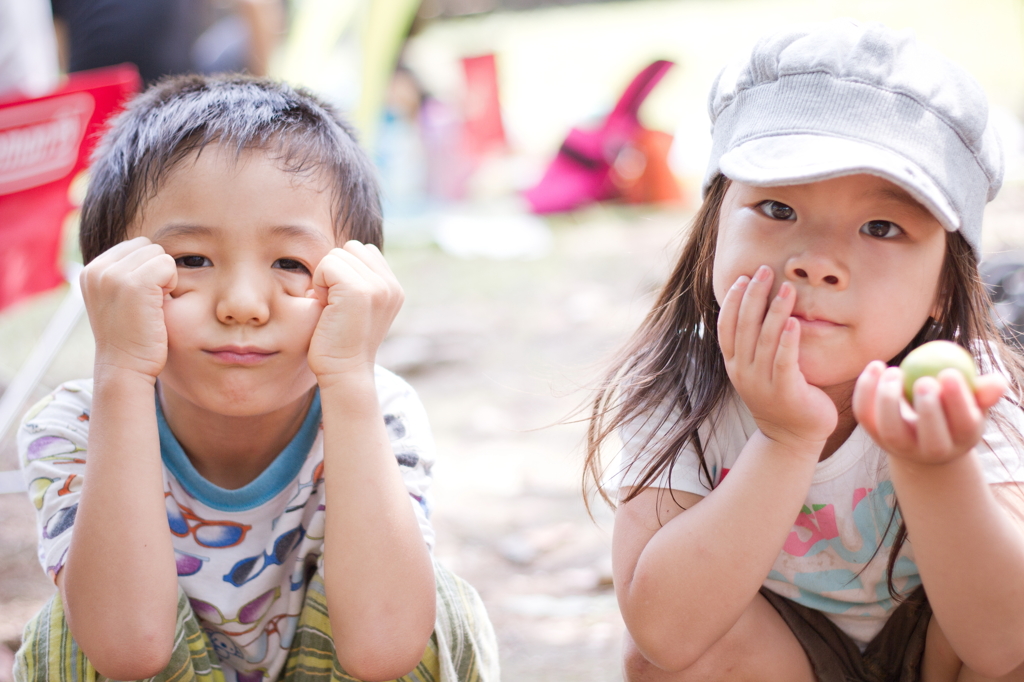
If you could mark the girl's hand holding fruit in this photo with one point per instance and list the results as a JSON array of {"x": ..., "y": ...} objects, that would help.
[{"x": 949, "y": 402}]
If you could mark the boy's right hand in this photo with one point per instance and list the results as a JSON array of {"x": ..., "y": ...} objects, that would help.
[
  {"x": 124, "y": 290},
  {"x": 761, "y": 346}
]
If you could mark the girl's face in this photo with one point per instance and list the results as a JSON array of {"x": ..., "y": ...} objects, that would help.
[{"x": 863, "y": 256}]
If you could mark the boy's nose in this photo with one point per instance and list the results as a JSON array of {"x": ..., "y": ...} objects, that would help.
[{"x": 241, "y": 302}]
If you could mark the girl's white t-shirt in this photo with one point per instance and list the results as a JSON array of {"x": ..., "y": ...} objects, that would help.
[
  {"x": 829, "y": 561},
  {"x": 244, "y": 557}
]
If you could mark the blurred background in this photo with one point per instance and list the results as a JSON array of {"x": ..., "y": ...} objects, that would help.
[{"x": 540, "y": 161}]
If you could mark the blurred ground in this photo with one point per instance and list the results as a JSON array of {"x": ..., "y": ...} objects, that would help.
[
  {"x": 501, "y": 353},
  {"x": 497, "y": 351}
]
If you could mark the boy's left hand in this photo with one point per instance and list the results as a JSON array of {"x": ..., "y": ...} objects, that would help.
[
  {"x": 946, "y": 420},
  {"x": 361, "y": 298}
]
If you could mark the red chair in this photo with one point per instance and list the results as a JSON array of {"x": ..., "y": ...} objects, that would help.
[
  {"x": 45, "y": 145},
  {"x": 581, "y": 171}
]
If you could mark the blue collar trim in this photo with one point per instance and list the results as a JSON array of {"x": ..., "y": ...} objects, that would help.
[{"x": 265, "y": 487}]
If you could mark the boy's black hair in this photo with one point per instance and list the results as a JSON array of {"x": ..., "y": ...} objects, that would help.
[{"x": 179, "y": 116}]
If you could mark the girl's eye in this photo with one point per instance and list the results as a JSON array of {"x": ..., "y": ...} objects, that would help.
[
  {"x": 193, "y": 261},
  {"x": 776, "y": 210},
  {"x": 883, "y": 229},
  {"x": 290, "y": 265}
]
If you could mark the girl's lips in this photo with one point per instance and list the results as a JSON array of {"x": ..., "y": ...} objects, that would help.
[
  {"x": 816, "y": 323},
  {"x": 232, "y": 355}
]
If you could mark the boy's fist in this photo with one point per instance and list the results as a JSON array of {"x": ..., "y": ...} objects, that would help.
[
  {"x": 124, "y": 290},
  {"x": 361, "y": 297}
]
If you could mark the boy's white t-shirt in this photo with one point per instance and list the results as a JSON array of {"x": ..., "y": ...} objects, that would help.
[
  {"x": 829, "y": 561},
  {"x": 245, "y": 556}
]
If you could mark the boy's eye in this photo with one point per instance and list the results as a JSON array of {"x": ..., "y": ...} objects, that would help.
[
  {"x": 776, "y": 210},
  {"x": 291, "y": 265},
  {"x": 883, "y": 229},
  {"x": 192, "y": 261}
]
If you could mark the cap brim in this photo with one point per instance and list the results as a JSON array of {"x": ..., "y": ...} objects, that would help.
[{"x": 799, "y": 158}]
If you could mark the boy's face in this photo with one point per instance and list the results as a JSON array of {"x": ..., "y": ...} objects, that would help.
[{"x": 246, "y": 236}]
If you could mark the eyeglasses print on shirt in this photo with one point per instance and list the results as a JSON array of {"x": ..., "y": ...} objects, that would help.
[
  {"x": 245, "y": 570},
  {"x": 60, "y": 522},
  {"x": 282, "y": 625},
  {"x": 188, "y": 564},
  {"x": 315, "y": 479},
  {"x": 211, "y": 534},
  {"x": 53, "y": 448},
  {"x": 251, "y": 613}
]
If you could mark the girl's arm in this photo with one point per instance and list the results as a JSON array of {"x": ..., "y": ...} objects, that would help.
[
  {"x": 378, "y": 574},
  {"x": 968, "y": 536},
  {"x": 684, "y": 578},
  {"x": 119, "y": 584},
  {"x": 684, "y": 584}
]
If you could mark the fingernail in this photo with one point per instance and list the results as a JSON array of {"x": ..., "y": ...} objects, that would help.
[
  {"x": 791, "y": 324},
  {"x": 741, "y": 282},
  {"x": 761, "y": 274},
  {"x": 785, "y": 290}
]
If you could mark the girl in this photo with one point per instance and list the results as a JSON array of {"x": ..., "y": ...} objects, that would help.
[{"x": 840, "y": 229}]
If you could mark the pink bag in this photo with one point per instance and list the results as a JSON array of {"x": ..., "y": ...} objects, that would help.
[{"x": 581, "y": 171}]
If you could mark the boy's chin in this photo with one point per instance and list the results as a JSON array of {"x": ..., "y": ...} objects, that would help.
[{"x": 241, "y": 400}]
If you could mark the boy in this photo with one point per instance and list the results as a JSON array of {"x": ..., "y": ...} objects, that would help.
[{"x": 236, "y": 401}]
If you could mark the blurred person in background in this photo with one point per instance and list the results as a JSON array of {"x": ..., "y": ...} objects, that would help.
[
  {"x": 163, "y": 37},
  {"x": 28, "y": 52}
]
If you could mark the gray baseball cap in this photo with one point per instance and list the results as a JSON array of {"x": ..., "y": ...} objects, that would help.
[{"x": 844, "y": 98}]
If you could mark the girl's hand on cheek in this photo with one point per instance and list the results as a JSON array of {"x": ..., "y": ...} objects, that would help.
[
  {"x": 361, "y": 297},
  {"x": 946, "y": 420},
  {"x": 761, "y": 344},
  {"x": 124, "y": 290}
]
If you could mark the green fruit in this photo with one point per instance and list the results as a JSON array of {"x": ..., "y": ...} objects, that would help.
[{"x": 933, "y": 357}]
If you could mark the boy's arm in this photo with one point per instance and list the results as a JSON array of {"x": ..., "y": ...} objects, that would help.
[
  {"x": 968, "y": 536},
  {"x": 378, "y": 575},
  {"x": 119, "y": 583}
]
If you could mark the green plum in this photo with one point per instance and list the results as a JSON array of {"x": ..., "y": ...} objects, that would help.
[{"x": 931, "y": 358}]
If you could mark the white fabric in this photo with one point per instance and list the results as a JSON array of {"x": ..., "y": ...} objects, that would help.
[
  {"x": 28, "y": 48},
  {"x": 826, "y": 563},
  {"x": 263, "y": 610}
]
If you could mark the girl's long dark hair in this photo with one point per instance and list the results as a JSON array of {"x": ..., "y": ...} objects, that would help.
[{"x": 672, "y": 371}]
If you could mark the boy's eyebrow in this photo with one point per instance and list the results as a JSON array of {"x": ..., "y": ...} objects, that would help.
[
  {"x": 293, "y": 231},
  {"x": 180, "y": 230}
]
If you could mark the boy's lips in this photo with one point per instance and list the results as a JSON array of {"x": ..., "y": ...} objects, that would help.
[{"x": 240, "y": 355}]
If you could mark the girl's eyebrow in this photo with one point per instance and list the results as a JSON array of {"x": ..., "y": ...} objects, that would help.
[{"x": 898, "y": 195}]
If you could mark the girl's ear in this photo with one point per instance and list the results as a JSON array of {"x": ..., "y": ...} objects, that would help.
[{"x": 941, "y": 298}]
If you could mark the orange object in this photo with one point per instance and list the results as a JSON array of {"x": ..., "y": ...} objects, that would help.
[{"x": 641, "y": 170}]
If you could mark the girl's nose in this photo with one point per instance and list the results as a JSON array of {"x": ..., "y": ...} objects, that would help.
[
  {"x": 243, "y": 302},
  {"x": 817, "y": 270}
]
